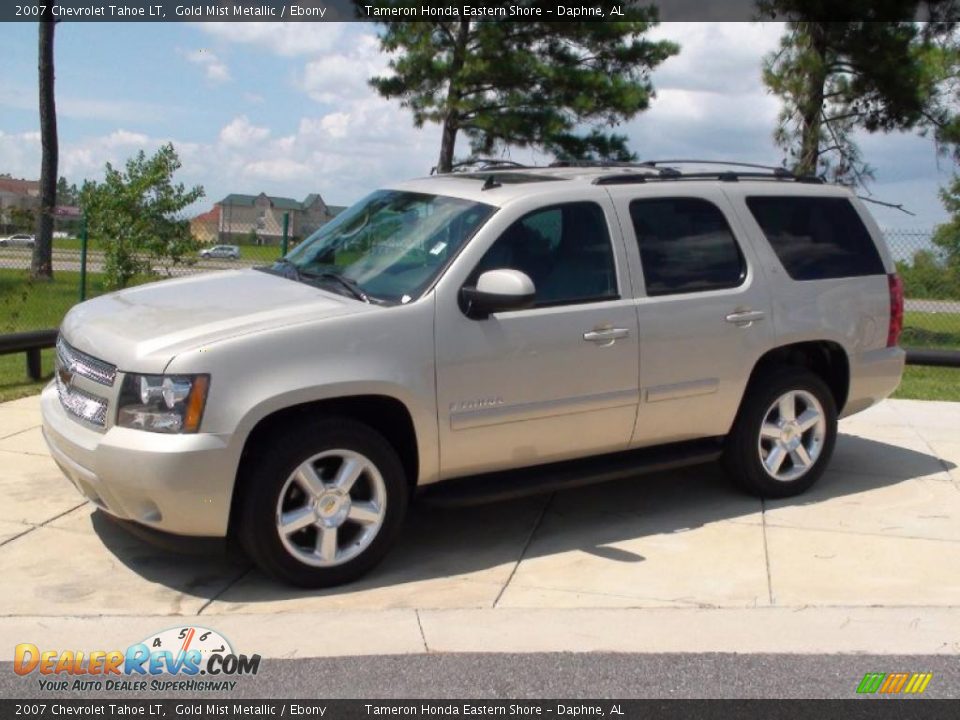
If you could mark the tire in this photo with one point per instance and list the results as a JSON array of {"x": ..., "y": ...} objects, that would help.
[
  {"x": 792, "y": 455},
  {"x": 363, "y": 522}
]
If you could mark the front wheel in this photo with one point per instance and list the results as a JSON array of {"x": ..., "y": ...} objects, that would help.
[
  {"x": 324, "y": 503},
  {"x": 784, "y": 434}
]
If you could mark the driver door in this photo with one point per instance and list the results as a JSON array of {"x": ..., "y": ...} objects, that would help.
[{"x": 555, "y": 381}]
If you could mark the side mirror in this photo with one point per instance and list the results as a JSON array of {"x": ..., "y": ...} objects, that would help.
[{"x": 497, "y": 291}]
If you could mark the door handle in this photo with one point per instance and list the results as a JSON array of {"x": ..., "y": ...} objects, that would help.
[
  {"x": 605, "y": 336},
  {"x": 745, "y": 318}
]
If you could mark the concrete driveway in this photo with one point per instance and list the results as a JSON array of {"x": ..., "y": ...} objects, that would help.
[{"x": 868, "y": 561}]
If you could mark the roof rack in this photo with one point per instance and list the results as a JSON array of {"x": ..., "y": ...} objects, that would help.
[
  {"x": 481, "y": 164},
  {"x": 778, "y": 171},
  {"x": 665, "y": 170},
  {"x": 723, "y": 176},
  {"x": 668, "y": 172},
  {"x": 592, "y": 163}
]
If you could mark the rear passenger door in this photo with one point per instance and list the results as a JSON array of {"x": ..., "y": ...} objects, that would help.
[{"x": 703, "y": 309}]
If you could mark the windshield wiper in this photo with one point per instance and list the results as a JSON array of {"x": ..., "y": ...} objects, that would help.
[
  {"x": 351, "y": 285},
  {"x": 286, "y": 264}
]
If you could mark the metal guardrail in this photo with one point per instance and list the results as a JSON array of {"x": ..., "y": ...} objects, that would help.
[
  {"x": 30, "y": 343},
  {"x": 933, "y": 357}
]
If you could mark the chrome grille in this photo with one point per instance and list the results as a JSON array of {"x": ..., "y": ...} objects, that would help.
[
  {"x": 79, "y": 363},
  {"x": 81, "y": 404}
]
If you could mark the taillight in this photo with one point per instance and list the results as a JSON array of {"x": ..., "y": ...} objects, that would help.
[{"x": 896, "y": 309}]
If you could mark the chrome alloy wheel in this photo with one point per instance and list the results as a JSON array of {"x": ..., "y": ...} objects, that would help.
[
  {"x": 792, "y": 435},
  {"x": 331, "y": 508}
]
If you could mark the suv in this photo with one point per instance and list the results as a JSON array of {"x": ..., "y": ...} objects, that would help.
[
  {"x": 231, "y": 252},
  {"x": 503, "y": 330}
]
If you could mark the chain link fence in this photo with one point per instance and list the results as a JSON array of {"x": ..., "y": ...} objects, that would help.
[{"x": 932, "y": 288}]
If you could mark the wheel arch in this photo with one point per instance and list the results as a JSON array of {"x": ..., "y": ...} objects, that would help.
[
  {"x": 385, "y": 414},
  {"x": 825, "y": 358}
]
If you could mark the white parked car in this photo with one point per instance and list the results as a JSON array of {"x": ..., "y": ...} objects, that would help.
[
  {"x": 229, "y": 252},
  {"x": 476, "y": 336},
  {"x": 18, "y": 240}
]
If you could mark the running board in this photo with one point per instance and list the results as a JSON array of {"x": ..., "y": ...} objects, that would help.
[{"x": 510, "y": 484}]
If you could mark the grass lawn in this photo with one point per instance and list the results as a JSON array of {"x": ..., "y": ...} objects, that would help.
[
  {"x": 929, "y": 383},
  {"x": 931, "y": 330},
  {"x": 14, "y": 382}
]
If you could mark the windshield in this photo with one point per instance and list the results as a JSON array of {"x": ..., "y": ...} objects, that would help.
[{"x": 391, "y": 245}]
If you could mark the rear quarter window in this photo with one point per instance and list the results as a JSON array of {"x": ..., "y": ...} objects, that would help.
[{"x": 817, "y": 238}]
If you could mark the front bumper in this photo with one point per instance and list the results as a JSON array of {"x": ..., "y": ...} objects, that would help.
[{"x": 179, "y": 484}]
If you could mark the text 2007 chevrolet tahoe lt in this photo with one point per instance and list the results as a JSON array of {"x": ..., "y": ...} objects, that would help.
[{"x": 464, "y": 326}]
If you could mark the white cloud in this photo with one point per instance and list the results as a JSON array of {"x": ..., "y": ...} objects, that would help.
[
  {"x": 717, "y": 57},
  {"x": 287, "y": 39},
  {"x": 21, "y": 97},
  {"x": 277, "y": 170},
  {"x": 21, "y": 154},
  {"x": 214, "y": 68},
  {"x": 240, "y": 133}
]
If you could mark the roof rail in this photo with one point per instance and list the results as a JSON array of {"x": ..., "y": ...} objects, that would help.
[
  {"x": 483, "y": 163},
  {"x": 592, "y": 163},
  {"x": 779, "y": 171},
  {"x": 722, "y": 175}
]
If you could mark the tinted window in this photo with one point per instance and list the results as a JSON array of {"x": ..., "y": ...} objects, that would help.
[
  {"x": 566, "y": 251},
  {"x": 817, "y": 238},
  {"x": 685, "y": 246}
]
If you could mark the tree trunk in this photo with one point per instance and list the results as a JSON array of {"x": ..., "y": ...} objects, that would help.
[
  {"x": 812, "y": 108},
  {"x": 42, "y": 265},
  {"x": 451, "y": 120},
  {"x": 448, "y": 139}
]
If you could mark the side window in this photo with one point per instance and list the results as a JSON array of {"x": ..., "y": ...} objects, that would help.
[
  {"x": 686, "y": 246},
  {"x": 817, "y": 237},
  {"x": 566, "y": 251}
]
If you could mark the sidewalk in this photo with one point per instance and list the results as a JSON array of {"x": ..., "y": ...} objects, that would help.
[{"x": 865, "y": 562}]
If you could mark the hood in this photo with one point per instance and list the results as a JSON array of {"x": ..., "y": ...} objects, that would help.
[{"x": 144, "y": 327}]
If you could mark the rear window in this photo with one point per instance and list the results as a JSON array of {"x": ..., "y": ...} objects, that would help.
[{"x": 817, "y": 238}]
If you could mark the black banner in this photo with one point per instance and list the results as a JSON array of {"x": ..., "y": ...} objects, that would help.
[
  {"x": 427, "y": 10},
  {"x": 868, "y": 709}
]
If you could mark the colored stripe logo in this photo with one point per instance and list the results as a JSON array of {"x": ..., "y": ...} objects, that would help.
[{"x": 894, "y": 683}]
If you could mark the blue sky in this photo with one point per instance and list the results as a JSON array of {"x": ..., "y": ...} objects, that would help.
[{"x": 285, "y": 108}]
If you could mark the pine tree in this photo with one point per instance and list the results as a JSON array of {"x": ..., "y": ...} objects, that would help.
[
  {"x": 836, "y": 78},
  {"x": 508, "y": 83}
]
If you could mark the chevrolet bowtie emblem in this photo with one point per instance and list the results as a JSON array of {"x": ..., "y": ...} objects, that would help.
[{"x": 66, "y": 375}]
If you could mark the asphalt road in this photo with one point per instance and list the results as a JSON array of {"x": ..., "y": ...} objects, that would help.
[
  {"x": 556, "y": 675},
  {"x": 932, "y": 306}
]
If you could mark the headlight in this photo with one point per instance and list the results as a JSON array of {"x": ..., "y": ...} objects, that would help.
[{"x": 162, "y": 403}]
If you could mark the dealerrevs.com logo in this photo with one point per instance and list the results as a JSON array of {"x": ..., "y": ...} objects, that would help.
[{"x": 186, "y": 653}]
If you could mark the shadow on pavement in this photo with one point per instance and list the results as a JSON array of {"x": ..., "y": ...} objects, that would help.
[{"x": 449, "y": 542}]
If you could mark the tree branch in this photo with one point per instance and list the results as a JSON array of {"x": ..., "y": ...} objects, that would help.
[{"x": 895, "y": 206}]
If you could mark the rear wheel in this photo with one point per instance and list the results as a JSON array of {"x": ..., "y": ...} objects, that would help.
[
  {"x": 784, "y": 434},
  {"x": 324, "y": 505}
]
